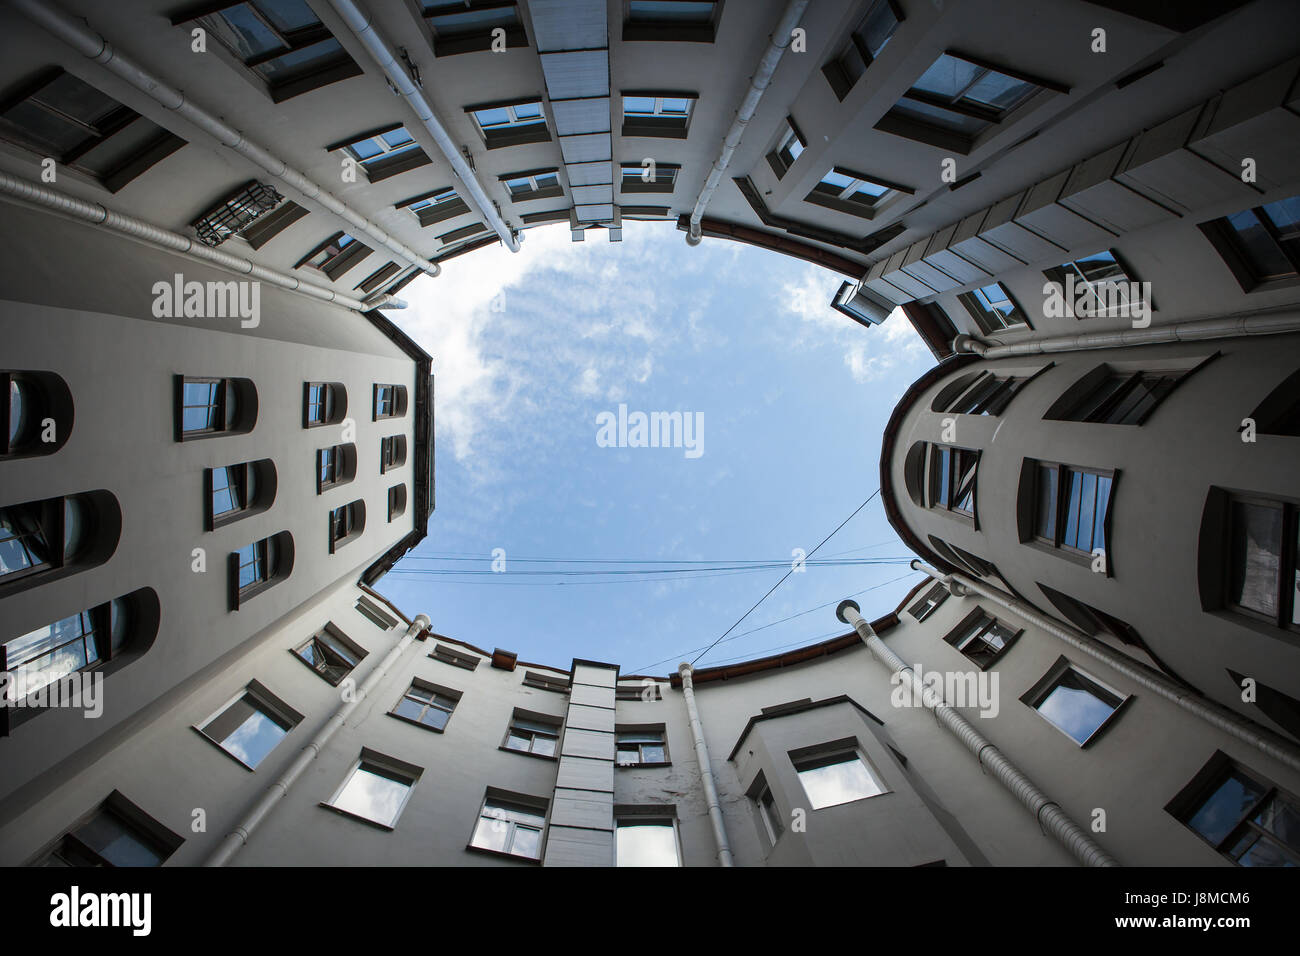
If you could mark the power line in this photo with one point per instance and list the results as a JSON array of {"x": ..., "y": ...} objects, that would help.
[
  {"x": 763, "y": 627},
  {"x": 786, "y": 575}
]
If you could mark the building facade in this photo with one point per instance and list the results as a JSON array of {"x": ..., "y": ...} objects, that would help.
[{"x": 218, "y": 438}]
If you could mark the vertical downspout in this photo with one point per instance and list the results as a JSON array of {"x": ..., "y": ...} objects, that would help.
[
  {"x": 1051, "y": 818},
  {"x": 781, "y": 37},
  {"x": 706, "y": 768},
  {"x": 273, "y": 794}
]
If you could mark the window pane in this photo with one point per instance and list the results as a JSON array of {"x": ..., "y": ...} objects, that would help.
[
  {"x": 527, "y": 842},
  {"x": 1076, "y": 706},
  {"x": 998, "y": 91},
  {"x": 842, "y": 781},
  {"x": 373, "y": 796},
  {"x": 1285, "y": 216},
  {"x": 491, "y": 833},
  {"x": 947, "y": 77},
  {"x": 1254, "y": 552},
  {"x": 946, "y": 119},
  {"x": 1266, "y": 256},
  {"x": 877, "y": 27},
  {"x": 246, "y": 731},
  {"x": 78, "y": 99},
  {"x": 109, "y": 836},
  {"x": 288, "y": 15},
  {"x": 1224, "y": 808},
  {"x": 245, "y": 33},
  {"x": 1045, "y": 525},
  {"x": 1073, "y": 488},
  {"x": 648, "y": 844}
]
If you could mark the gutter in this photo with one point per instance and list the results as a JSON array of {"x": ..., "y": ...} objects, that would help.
[
  {"x": 91, "y": 45},
  {"x": 1051, "y": 818},
  {"x": 247, "y": 826},
  {"x": 706, "y": 768},
  {"x": 359, "y": 22},
  {"x": 1220, "y": 717},
  {"x": 1250, "y": 323},
  {"x": 104, "y": 218},
  {"x": 776, "y": 46}
]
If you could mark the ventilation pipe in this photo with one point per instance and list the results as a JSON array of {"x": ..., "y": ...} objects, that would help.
[
  {"x": 358, "y": 21},
  {"x": 1228, "y": 721},
  {"x": 1251, "y": 323},
  {"x": 776, "y": 46},
  {"x": 90, "y": 44},
  {"x": 706, "y": 768},
  {"x": 238, "y": 837},
  {"x": 104, "y": 218},
  {"x": 1054, "y": 821}
]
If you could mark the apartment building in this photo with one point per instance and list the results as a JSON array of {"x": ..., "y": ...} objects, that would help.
[{"x": 219, "y": 437}]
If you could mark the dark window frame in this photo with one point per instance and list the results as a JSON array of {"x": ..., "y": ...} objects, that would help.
[
  {"x": 1225, "y": 238},
  {"x": 1207, "y": 782},
  {"x": 973, "y": 628},
  {"x": 454, "y": 43},
  {"x": 837, "y": 71},
  {"x": 1056, "y": 543},
  {"x": 658, "y": 125},
  {"x": 668, "y": 31},
  {"x": 332, "y": 632},
  {"x": 1043, "y": 688}
]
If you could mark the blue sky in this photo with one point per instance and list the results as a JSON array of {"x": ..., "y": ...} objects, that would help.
[{"x": 528, "y": 349}]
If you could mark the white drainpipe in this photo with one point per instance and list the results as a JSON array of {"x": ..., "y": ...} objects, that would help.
[
  {"x": 776, "y": 46},
  {"x": 1251, "y": 323},
  {"x": 706, "y": 768},
  {"x": 1229, "y": 721},
  {"x": 238, "y": 837},
  {"x": 1051, "y": 818},
  {"x": 358, "y": 21},
  {"x": 90, "y": 44},
  {"x": 104, "y": 218}
]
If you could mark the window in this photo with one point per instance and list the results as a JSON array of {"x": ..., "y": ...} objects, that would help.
[
  {"x": 83, "y": 641},
  {"x": 865, "y": 43},
  {"x": 929, "y": 602},
  {"x": 27, "y": 400},
  {"x": 1094, "y": 621},
  {"x": 385, "y": 152},
  {"x": 449, "y": 655},
  {"x": 58, "y": 115},
  {"x": 790, "y": 145},
  {"x": 467, "y": 26},
  {"x": 657, "y": 114},
  {"x": 1071, "y": 506},
  {"x": 642, "y": 178},
  {"x": 952, "y": 479},
  {"x": 249, "y": 727},
  {"x": 982, "y": 637},
  {"x": 396, "y": 501},
  {"x": 1278, "y": 414},
  {"x": 854, "y": 193},
  {"x": 511, "y": 828},
  {"x": 559, "y": 685},
  {"x": 841, "y": 776},
  {"x": 768, "y": 814},
  {"x": 993, "y": 309},
  {"x": 118, "y": 833},
  {"x": 346, "y": 524},
  {"x": 236, "y": 212},
  {"x": 1241, "y": 814},
  {"x": 237, "y": 491},
  {"x": 335, "y": 256},
  {"x": 1260, "y": 245},
  {"x": 1123, "y": 398},
  {"x": 323, "y": 403},
  {"x": 1263, "y": 548},
  {"x": 1097, "y": 286},
  {"x": 374, "y": 613},
  {"x": 392, "y": 452},
  {"x": 39, "y": 537},
  {"x": 671, "y": 20},
  {"x": 644, "y": 840},
  {"x": 257, "y": 566},
  {"x": 389, "y": 401},
  {"x": 1073, "y": 702},
  {"x": 330, "y": 654},
  {"x": 511, "y": 124},
  {"x": 336, "y": 465},
  {"x": 435, "y": 206},
  {"x": 376, "y": 790},
  {"x": 641, "y": 747},
  {"x": 532, "y": 735},
  {"x": 427, "y": 705},
  {"x": 206, "y": 407},
  {"x": 535, "y": 184},
  {"x": 988, "y": 394},
  {"x": 957, "y": 99},
  {"x": 282, "y": 41}
]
